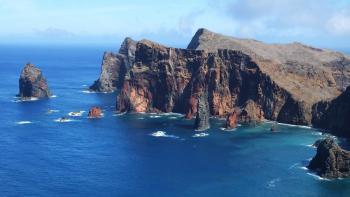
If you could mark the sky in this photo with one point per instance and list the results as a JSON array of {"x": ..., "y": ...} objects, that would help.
[{"x": 321, "y": 23}]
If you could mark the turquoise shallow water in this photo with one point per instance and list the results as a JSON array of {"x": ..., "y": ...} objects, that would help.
[{"x": 118, "y": 156}]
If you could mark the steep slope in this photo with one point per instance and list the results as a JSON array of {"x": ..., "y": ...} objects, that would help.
[
  {"x": 296, "y": 67},
  {"x": 334, "y": 115},
  {"x": 114, "y": 67},
  {"x": 169, "y": 79},
  {"x": 283, "y": 81},
  {"x": 32, "y": 83}
]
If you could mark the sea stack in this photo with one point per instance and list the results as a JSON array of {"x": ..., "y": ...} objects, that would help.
[
  {"x": 32, "y": 83},
  {"x": 231, "y": 120},
  {"x": 202, "y": 117},
  {"x": 330, "y": 161}
]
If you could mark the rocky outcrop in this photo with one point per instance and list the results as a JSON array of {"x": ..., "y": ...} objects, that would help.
[
  {"x": 202, "y": 116},
  {"x": 231, "y": 120},
  {"x": 330, "y": 161},
  {"x": 334, "y": 115},
  {"x": 95, "y": 112},
  {"x": 251, "y": 113},
  {"x": 32, "y": 83},
  {"x": 114, "y": 67},
  {"x": 238, "y": 73}
]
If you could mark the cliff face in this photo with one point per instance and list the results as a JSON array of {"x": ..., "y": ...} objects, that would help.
[
  {"x": 334, "y": 115},
  {"x": 282, "y": 82},
  {"x": 114, "y": 67},
  {"x": 168, "y": 79},
  {"x": 32, "y": 83}
]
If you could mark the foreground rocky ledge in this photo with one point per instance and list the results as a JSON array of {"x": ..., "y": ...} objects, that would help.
[
  {"x": 32, "y": 83},
  {"x": 330, "y": 161}
]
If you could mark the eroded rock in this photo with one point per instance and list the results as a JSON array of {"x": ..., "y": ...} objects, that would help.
[
  {"x": 330, "y": 161},
  {"x": 32, "y": 83},
  {"x": 95, "y": 112}
]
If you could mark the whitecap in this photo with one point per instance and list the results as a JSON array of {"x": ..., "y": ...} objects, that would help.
[
  {"x": 224, "y": 129},
  {"x": 24, "y": 122},
  {"x": 53, "y": 96},
  {"x": 155, "y": 116},
  {"x": 293, "y": 125},
  {"x": 200, "y": 135},
  {"x": 84, "y": 85},
  {"x": 63, "y": 120},
  {"x": 173, "y": 117},
  {"x": 29, "y": 99},
  {"x": 272, "y": 183},
  {"x": 162, "y": 134},
  {"x": 88, "y": 92},
  {"x": 317, "y": 177},
  {"x": 50, "y": 111},
  {"x": 119, "y": 114},
  {"x": 304, "y": 168},
  {"x": 76, "y": 114},
  {"x": 141, "y": 118}
]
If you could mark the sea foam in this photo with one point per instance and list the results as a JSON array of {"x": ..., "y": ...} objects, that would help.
[{"x": 23, "y": 122}]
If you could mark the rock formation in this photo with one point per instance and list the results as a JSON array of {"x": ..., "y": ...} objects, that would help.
[
  {"x": 331, "y": 161},
  {"x": 114, "y": 67},
  {"x": 202, "y": 115},
  {"x": 95, "y": 112},
  {"x": 251, "y": 113},
  {"x": 32, "y": 83},
  {"x": 231, "y": 120},
  {"x": 334, "y": 115},
  {"x": 276, "y": 82}
]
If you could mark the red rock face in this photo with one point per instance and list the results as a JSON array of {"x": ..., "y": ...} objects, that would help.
[
  {"x": 232, "y": 120},
  {"x": 95, "y": 112},
  {"x": 251, "y": 113},
  {"x": 169, "y": 80}
]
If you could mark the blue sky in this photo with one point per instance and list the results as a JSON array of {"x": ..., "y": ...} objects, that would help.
[{"x": 323, "y": 23}]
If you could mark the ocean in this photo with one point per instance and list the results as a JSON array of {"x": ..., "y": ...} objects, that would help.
[{"x": 124, "y": 155}]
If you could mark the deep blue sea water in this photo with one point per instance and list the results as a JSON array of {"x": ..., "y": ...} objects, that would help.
[{"x": 118, "y": 156}]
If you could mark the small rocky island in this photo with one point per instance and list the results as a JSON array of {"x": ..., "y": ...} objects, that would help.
[
  {"x": 32, "y": 83},
  {"x": 330, "y": 161}
]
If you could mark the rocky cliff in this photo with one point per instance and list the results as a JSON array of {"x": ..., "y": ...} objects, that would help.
[
  {"x": 334, "y": 115},
  {"x": 32, "y": 83},
  {"x": 114, "y": 67},
  {"x": 330, "y": 160},
  {"x": 281, "y": 82}
]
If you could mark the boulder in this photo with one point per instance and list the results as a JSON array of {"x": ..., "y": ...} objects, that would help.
[
  {"x": 330, "y": 161},
  {"x": 32, "y": 83},
  {"x": 95, "y": 112}
]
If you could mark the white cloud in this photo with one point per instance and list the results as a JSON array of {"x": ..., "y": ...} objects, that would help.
[{"x": 339, "y": 24}]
